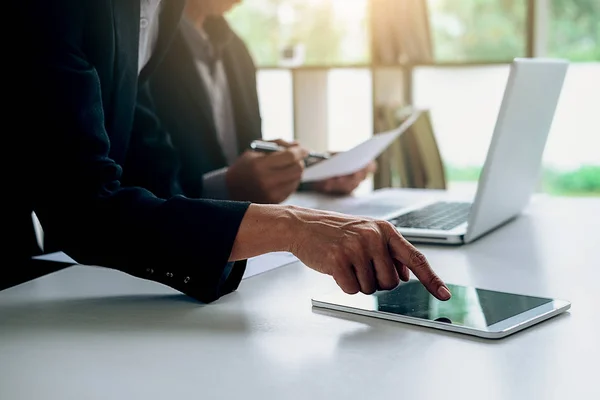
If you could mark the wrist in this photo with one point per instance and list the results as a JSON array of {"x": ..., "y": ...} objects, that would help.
[
  {"x": 265, "y": 229},
  {"x": 290, "y": 228}
]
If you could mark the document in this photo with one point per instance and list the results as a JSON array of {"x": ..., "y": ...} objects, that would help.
[
  {"x": 256, "y": 265},
  {"x": 358, "y": 157},
  {"x": 267, "y": 262},
  {"x": 56, "y": 257}
]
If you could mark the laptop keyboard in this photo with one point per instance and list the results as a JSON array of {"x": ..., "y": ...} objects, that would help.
[{"x": 440, "y": 216}]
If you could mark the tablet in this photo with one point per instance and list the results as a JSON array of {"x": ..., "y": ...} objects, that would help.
[{"x": 485, "y": 313}]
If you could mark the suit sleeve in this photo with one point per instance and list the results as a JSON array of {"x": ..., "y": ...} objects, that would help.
[{"x": 76, "y": 192}]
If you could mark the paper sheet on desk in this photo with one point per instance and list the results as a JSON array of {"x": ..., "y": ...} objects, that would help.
[
  {"x": 255, "y": 266},
  {"x": 358, "y": 157},
  {"x": 268, "y": 262},
  {"x": 56, "y": 257}
]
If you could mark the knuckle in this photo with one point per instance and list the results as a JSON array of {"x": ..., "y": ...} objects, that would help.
[
  {"x": 387, "y": 226},
  {"x": 340, "y": 259},
  {"x": 434, "y": 281},
  {"x": 359, "y": 243},
  {"x": 349, "y": 288},
  {"x": 418, "y": 259},
  {"x": 361, "y": 267},
  {"x": 390, "y": 283},
  {"x": 371, "y": 233},
  {"x": 332, "y": 262},
  {"x": 299, "y": 153},
  {"x": 337, "y": 257},
  {"x": 290, "y": 157},
  {"x": 369, "y": 290}
]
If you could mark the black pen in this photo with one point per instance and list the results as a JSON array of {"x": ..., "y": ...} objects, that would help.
[{"x": 270, "y": 147}]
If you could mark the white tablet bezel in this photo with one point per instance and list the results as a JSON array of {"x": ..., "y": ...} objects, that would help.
[{"x": 342, "y": 302}]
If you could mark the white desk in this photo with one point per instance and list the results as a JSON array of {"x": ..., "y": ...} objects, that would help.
[{"x": 88, "y": 333}]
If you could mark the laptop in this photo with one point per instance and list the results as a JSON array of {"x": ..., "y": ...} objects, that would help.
[{"x": 512, "y": 166}]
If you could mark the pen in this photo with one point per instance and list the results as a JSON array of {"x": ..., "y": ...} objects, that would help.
[{"x": 270, "y": 147}]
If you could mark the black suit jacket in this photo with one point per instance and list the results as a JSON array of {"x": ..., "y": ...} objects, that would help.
[
  {"x": 182, "y": 103},
  {"x": 73, "y": 106}
]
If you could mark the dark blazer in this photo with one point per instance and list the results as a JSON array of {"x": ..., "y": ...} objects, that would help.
[
  {"x": 73, "y": 106},
  {"x": 181, "y": 100}
]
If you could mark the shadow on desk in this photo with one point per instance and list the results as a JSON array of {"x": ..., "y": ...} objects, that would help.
[{"x": 131, "y": 313}]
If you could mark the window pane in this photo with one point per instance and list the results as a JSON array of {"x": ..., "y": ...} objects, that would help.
[
  {"x": 478, "y": 30},
  {"x": 304, "y": 32},
  {"x": 350, "y": 108},
  {"x": 574, "y": 29},
  {"x": 276, "y": 104},
  {"x": 572, "y": 157},
  {"x": 575, "y": 135},
  {"x": 333, "y": 107},
  {"x": 464, "y": 103}
]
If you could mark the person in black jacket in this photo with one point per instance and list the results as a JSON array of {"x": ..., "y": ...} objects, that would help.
[
  {"x": 205, "y": 93},
  {"x": 79, "y": 99}
]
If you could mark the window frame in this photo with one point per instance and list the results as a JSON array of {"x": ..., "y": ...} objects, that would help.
[{"x": 535, "y": 45}]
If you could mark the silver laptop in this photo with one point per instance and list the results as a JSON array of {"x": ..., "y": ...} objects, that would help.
[{"x": 512, "y": 166}]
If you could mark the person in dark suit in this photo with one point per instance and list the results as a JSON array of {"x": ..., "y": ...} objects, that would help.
[
  {"x": 78, "y": 102},
  {"x": 206, "y": 95}
]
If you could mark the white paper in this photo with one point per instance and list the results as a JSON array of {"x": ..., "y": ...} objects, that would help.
[
  {"x": 268, "y": 262},
  {"x": 357, "y": 158},
  {"x": 56, "y": 257}
]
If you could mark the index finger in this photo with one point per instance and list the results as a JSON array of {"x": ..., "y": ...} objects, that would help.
[
  {"x": 286, "y": 158},
  {"x": 416, "y": 261}
]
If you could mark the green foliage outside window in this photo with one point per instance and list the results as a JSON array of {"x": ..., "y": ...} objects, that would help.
[
  {"x": 574, "y": 29},
  {"x": 584, "y": 181},
  {"x": 478, "y": 30},
  {"x": 462, "y": 31},
  {"x": 495, "y": 30},
  {"x": 304, "y": 32}
]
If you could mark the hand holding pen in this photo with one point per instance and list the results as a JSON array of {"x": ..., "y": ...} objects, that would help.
[{"x": 280, "y": 145}]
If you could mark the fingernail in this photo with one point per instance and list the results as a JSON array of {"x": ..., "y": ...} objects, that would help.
[{"x": 444, "y": 293}]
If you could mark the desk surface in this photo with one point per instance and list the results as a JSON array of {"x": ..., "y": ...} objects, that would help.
[{"x": 92, "y": 333}]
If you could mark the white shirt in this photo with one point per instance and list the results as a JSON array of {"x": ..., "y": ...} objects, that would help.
[
  {"x": 217, "y": 88},
  {"x": 220, "y": 99},
  {"x": 149, "y": 22}
]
